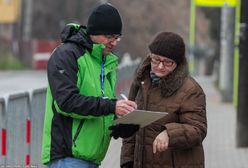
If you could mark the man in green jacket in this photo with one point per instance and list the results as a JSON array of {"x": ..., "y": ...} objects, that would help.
[{"x": 80, "y": 102}]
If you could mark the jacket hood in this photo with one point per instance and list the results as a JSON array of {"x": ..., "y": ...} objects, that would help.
[
  {"x": 168, "y": 84},
  {"x": 76, "y": 33}
]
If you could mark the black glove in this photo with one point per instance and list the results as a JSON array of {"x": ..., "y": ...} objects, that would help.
[
  {"x": 123, "y": 130},
  {"x": 127, "y": 165}
]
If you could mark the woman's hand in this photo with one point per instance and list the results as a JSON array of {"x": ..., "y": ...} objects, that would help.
[{"x": 161, "y": 142}]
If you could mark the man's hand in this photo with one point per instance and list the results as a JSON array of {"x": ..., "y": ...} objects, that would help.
[
  {"x": 124, "y": 107},
  {"x": 161, "y": 142},
  {"x": 123, "y": 130}
]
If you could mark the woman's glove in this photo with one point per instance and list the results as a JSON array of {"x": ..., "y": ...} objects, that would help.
[{"x": 123, "y": 130}]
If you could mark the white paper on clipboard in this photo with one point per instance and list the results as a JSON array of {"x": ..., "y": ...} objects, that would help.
[{"x": 141, "y": 117}]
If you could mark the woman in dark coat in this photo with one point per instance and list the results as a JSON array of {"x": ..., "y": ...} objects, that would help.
[{"x": 163, "y": 84}]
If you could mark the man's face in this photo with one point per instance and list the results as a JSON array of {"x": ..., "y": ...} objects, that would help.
[{"x": 110, "y": 41}]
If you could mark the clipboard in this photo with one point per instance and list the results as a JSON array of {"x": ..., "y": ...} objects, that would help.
[{"x": 140, "y": 117}]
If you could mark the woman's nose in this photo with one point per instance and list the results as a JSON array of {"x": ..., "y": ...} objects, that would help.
[{"x": 161, "y": 65}]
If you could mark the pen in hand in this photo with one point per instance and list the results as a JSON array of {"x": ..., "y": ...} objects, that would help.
[
  {"x": 124, "y": 106},
  {"x": 134, "y": 105},
  {"x": 123, "y": 96}
]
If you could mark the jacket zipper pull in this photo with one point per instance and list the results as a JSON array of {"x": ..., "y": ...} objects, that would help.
[{"x": 77, "y": 132}]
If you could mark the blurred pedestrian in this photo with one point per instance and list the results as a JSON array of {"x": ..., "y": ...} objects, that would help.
[
  {"x": 80, "y": 102},
  {"x": 163, "y": 84}
]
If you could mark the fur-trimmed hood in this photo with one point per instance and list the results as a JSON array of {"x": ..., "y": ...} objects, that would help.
[{"x": 168, "y": 84}]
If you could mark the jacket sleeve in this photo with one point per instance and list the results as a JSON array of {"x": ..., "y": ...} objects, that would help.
[
  {"x": 62, "y": 77},
  {"x": 192, "y": 128},
  {"x": 128, "y": 144}
]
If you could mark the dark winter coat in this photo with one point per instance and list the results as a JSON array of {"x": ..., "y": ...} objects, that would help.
[{"x": 183, "y": 98}]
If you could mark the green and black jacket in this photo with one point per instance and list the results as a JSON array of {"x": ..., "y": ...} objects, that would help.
[{"x": 77, "y": 113}]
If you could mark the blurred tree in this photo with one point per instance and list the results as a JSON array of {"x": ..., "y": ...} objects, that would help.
[
  {"x": 49, "y": 17},
  {"x": 142, "y": 19}
]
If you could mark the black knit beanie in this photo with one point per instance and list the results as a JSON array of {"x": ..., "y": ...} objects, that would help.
[
  {"x": 169, "y": 45},
  {"x": 104, "y": 20}
]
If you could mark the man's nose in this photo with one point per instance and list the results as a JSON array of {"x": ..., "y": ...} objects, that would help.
[{"x": 114, "y": 42}]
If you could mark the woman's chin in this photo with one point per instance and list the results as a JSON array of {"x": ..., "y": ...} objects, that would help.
[{"x": 160, "y": 74}]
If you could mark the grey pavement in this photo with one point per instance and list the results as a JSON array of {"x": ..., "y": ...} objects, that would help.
[{"x": 220, "y": 143}]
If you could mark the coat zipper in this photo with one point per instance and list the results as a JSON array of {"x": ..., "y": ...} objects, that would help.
[
  {"x": 77, "y": 132},
  {"x": 146, "y": 98},
  {"x": 173, "y": 161}
]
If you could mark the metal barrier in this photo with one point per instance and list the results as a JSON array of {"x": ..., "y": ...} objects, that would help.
[
  {"x": 38, "y": 101},
  {"x": 18, "y": 129},
  {"x": 3, "y": 131}
]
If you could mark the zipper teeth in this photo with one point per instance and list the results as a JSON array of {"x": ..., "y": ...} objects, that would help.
[
  {"x": 143, "y": 141},
  {"x": 173, "y": 162},
  {"x": 78, "y": 131}
]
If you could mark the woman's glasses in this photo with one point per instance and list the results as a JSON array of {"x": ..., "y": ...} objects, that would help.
[{"x": 156, "y": 61}]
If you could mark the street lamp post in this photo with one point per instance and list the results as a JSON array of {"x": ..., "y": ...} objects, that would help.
[{"x": 242, "y": 114}]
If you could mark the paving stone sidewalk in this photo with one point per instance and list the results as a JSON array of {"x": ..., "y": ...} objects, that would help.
[{"x": 220, "y": 146}]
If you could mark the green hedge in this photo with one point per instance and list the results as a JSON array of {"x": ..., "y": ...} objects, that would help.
[{"x": 9, "y": 62}]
